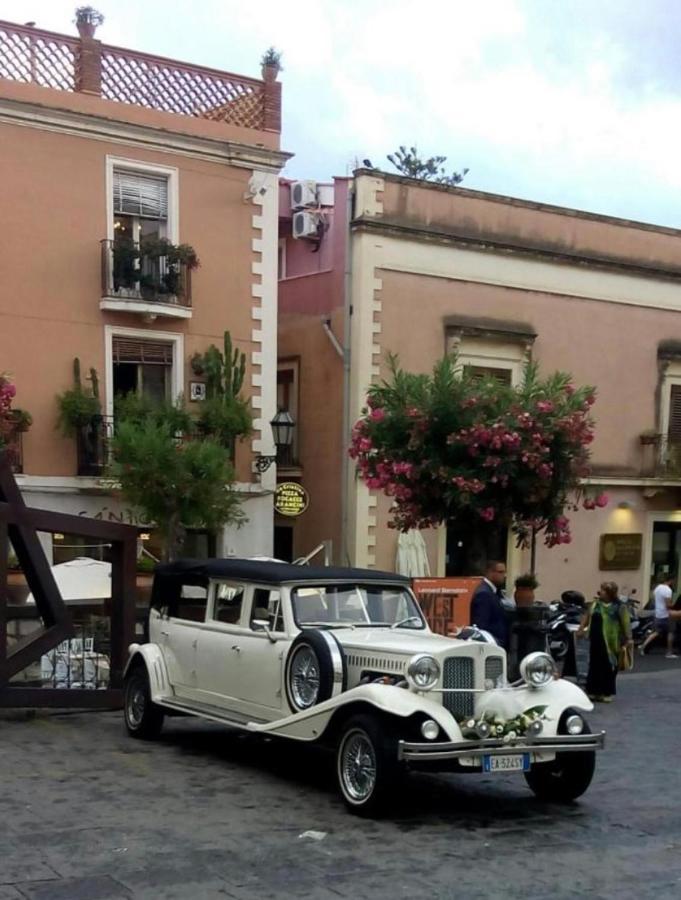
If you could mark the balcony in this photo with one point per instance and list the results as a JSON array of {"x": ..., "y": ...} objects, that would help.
[
  {"x": 149, "y": 278},
  {"x": 661, "y": 457},
  {"x": 84, "y": 65},
  {"x": 93, "y": 446}
]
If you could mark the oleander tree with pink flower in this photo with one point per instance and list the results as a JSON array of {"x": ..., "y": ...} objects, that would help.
[{"x": 451, "y": 446}]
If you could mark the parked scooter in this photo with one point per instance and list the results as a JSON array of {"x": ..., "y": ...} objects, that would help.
[
  {"x": 566, "y": 615},
  {"x": 641, "y": 625}
]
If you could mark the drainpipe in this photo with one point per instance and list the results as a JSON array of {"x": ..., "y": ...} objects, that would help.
[
  {"x": 326, "y": 325},
  {"x": 347, "y": 331}
]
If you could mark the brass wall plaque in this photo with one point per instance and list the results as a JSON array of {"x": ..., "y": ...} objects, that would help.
[{"x": 620, "y": 551}]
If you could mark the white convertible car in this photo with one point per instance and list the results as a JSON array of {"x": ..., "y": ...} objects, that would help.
[{"x": 344, "y": 657}]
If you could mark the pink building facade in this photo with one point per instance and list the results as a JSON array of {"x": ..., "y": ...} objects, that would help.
[
  {"x": 418, "y": 270},
  {"x": 100, "y": 143}
]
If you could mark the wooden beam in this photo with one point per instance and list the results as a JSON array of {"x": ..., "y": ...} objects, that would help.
[
  {"x": 59, "y": 698},
  {"x": 4, "y": 599}
]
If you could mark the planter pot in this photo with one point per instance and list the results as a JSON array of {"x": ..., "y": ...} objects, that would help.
[
  {"x": 270, "y": 73},
  {"x": 86, "y": 29},
  {"x": 524, "y": 596}
]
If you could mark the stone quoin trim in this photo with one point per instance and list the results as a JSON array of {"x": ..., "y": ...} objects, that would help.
[{"x": 263, "y": 190}]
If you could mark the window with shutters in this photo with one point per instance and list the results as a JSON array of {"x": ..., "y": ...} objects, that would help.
[
  {"x": 674, "y": 426},
  {"x": 287, "y": 398},
  {"x": 482, "y": 372},
  {"x": 140, "y": 205},
  {"x": 142, "y": 366}
]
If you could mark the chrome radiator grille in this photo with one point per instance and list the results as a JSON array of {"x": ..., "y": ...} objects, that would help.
[
  {"x": 494, "y": 668},
  {"x": 458, "y": 674}
]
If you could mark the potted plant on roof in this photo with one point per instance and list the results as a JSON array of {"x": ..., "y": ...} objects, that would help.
[
  {"x": 270, "y": 64},
  {"x": 525, "y": 586},
  {"x": 87, "y": 20}
]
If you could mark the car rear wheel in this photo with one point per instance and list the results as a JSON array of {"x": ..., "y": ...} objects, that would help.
[
  {"x": 143, "y": 718},
  {"x": 567, "y": 776},
  {"x": 366, "y": 765}
]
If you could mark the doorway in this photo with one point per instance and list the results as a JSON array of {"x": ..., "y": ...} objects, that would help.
[
  {"x": 283, "y": 542},
  {"x": 471, "y": 544},
  {"x": 666, "y": 555}
]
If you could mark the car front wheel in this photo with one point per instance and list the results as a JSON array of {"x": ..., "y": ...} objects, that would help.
[
  {"x": 143, "y": 718},
  {"x": 366, "y": 765},
  {"x": 567, "y": 776}
]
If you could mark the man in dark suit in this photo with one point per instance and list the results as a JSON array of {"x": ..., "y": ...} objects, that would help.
[{"x": 487, "y": 610}]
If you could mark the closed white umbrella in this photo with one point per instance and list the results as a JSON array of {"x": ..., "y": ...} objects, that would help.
[{"x": 412, "y": 556}]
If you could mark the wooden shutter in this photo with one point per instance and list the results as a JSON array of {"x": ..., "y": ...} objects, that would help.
[
  {"x": 675, "y": 415},
  {"x": 129, "y": 350},
  {"x": 136, "y": 194},
  {"x": 480, "y": 372}
]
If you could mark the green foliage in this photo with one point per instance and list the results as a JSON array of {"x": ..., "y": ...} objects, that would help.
[
  {"x": 224, "y": 414},
  {"x": 452, "y": 446},
  {"x": 272, "y": 57},
  {"x": 139, "y": 409},
  {"x": 78, "y": 407},
  {"x": 174, "y": 479},
  {"x": 409, "y": 163}
]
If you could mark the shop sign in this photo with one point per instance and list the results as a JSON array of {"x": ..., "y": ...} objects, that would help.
[
  {"x": 290, "y": 499},
  {"x": 620, "y": 551}
]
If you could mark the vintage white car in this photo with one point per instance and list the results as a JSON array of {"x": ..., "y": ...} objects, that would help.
[{"x": 344, "y": 657}]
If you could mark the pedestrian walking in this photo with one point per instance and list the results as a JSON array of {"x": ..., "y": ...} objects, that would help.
[
  {"x": 664, "y": 621},
  {"x": 609, "y": 629}
]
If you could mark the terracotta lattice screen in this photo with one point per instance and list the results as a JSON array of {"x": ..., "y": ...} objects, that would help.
[
  {"x": 38, "y": 57},
  {"x": 67, "y": 63}
]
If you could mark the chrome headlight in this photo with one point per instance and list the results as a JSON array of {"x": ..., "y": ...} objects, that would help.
[
  {"x": 537, "y": 669},
  {"x": 423, "y": 672},
  {"x": 574, "y": 724}
]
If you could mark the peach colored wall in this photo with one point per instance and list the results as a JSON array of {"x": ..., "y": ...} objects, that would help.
[
  {"x": 610, "y": 346},
  {"x": 135, "y": 115},
  {"x": 475, "y": 215},
  {"x": 320, "y": 426},
  {"x": 50, "y": 288}
]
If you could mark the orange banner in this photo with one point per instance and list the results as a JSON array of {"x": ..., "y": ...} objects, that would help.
[{"x": 446, "y": 602}]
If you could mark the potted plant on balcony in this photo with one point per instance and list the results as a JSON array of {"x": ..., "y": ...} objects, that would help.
[
  {"x": 162, "y": 263},
  {"x": 20, "y": 420},
  {"x": 648, "y": 437},
  {"x": 525, "y": 586},
  {"x": 87, "y": 20},
  {"x": 79, "y": 408},
  {"x": 270, "y": 64}
]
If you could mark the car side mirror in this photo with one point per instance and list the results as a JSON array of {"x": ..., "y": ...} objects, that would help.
[{"x": 263, "y": 625}]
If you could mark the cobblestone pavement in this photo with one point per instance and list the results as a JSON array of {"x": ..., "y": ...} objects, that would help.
[{"x": 89, "y": 814}]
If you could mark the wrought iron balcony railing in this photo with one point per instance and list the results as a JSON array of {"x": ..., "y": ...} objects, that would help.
[
  {"x": 93, "y": 445},
  {"x": 661, "y": 455},
  {"x": 133, "y": 271}
]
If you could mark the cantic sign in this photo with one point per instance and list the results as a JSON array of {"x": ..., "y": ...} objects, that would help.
[{"x": 290, "y": 499}]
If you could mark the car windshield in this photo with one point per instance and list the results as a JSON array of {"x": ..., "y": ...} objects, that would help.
[{"x": 356, "y": 606}]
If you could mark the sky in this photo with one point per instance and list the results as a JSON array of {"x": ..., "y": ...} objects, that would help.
[{"x": 572, "y": 102}]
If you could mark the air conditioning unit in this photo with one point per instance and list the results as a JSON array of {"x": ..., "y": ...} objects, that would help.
[
  {"x": 305, "y": 224},
  {"x": 303, "y": 194}
]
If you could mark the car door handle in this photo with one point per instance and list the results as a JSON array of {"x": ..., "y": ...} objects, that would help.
[
  {"x": 236, "y": 647},
  {"x": 166, "y": 633}
]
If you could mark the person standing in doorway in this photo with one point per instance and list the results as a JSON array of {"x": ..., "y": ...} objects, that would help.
[
  {"x": 487, "y": 609},
  {"x": 664, "y": 623},
  {"x": 608, "y": 626}
]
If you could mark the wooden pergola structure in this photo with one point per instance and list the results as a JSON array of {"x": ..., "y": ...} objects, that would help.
[{"x": 20, "y": 524}]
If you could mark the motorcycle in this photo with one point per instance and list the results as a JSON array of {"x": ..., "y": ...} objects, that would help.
[
  {"x": 564, "y": 619},
  {"x": 641, "y": 625}
]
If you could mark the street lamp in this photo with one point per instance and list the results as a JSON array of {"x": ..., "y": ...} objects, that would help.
[{"x": 282, "y": 431}]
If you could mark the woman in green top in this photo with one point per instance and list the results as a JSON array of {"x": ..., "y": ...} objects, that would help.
[{"x": 607, "y": 623}]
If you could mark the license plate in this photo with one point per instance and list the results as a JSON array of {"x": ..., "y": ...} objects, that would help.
[{"x": 514, "y": 762}]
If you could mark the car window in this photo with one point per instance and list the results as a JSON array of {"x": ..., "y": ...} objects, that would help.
[
  {"x": 267, "y": 608},
  {"x": 228, "y": 602},
  {"x": 191, "y": 604}
]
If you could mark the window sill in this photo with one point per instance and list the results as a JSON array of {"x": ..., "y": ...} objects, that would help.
[{"x": 152, "y": 309}]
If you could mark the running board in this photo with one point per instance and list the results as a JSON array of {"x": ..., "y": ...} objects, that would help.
[{"x": 213, "y": 713}]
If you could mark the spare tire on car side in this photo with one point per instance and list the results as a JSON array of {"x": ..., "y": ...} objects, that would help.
[{"x": 315, "y": 669}]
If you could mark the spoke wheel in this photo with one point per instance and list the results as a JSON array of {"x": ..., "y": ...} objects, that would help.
[
  {"x": 366, "y": 764},
  {"x": 143, "y": 718},
  {"x": 358, "y": 765},
  {"x": 305, "y": 677}
]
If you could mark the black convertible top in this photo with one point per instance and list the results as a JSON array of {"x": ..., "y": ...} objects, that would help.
[
  {"x": 170, "y": 577},
  {"x": 199, "y": 571}
]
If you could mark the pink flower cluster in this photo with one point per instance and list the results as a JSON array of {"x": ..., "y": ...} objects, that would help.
[{"x": 7, "y": 394}]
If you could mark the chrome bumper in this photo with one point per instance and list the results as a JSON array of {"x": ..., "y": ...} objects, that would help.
[{"x": 562, "y": 743}]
